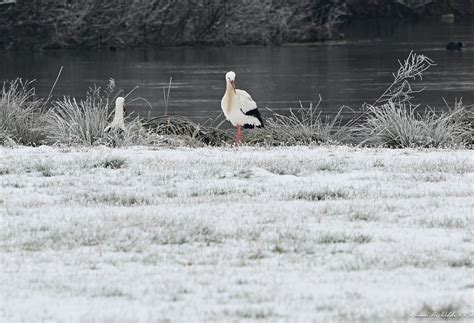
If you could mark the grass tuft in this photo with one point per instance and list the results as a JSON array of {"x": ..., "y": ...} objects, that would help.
[
  {"x": 394, "y": 121},
  {"x": 305, "y": 126},
  {"x": 79, "y": 123},
  {"x": 4, "y": 171},
  {"x": 338, "y": 237},
  {"x": 111, "y": 162},
  {"x": 463, "y": 262},
  {"x": 115, "y": 199},
  {"x": 21, "y": 117},
  {"x": 184, "y": 129},
  {"x": 44, "y": 169},
  {"x": 443, "y": 311},
  {"x": 400, "y": 125},
  {"x": 319, "y": 195}
]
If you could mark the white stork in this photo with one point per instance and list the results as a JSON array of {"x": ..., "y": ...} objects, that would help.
[
  {"x": 118, "y": 122},
  {"x": 239, "y": 108}
]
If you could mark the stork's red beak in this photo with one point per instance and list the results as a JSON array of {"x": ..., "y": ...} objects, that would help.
[{"x": 233, "y": 86}]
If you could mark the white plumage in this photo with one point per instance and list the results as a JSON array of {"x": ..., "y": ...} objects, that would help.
[
  {"x": 118, "y": 122},
  {"x": 239, "y": 107}
]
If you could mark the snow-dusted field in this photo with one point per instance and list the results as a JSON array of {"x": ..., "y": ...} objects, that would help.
[{"x": 293, "y": 234}]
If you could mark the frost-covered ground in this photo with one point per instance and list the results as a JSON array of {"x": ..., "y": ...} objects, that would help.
[{"x": 293, "y": 234}]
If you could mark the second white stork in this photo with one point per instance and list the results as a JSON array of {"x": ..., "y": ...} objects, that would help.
[
  {"x": 239, "y": 108},
  {"x": 118, "y": 122}
]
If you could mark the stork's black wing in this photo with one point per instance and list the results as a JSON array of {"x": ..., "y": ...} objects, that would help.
[{"x": 254, "y": 113}]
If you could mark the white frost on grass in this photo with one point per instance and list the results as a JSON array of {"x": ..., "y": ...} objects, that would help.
[{"x": 295, "y": 234}]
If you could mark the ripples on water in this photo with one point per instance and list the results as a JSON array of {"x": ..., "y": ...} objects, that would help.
[{"x": 344, "y": 73}]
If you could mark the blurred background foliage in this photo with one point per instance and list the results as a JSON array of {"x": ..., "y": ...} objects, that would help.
[{"x": 125, "y": 23}]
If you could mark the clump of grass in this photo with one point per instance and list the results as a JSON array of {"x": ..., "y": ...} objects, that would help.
[
  {"x": 400, "y": 125},
  {"x": 278, "y": 249},
  {"x": 446, "y": 221},
  {"x": 117, "y": 200},
  {"x": 442, "y": 311},
  {"x": 111, "y": 292},
  {"x": 4, "y": 171},
  {"x": 183, "y": 128},
  {"x": 394, "y": 121},
  {"x": 363, "y": 216},
  {"x": 284, "y": 167},
  {"x": 178, "y": 233},
  {"x": 319, "y": 195},
  {"x": 83, "y": 123},
  {"x": 134, "y": 134},
  {"x": 79, "y": 123},
  {"x": 111, "y": 162},
  {"x": 44, "y": 169},
  {"x": 463, "y": 115},
  {"x": 250, "y": 313},
  {"x": 304, "y": 126},
  {"x": 338, "y": 237},
  {"x": 463, "y": 262},
  {"x": 21, "y": 113}
]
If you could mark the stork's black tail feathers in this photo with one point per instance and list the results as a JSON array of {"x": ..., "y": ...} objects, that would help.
[{"x": 254, "y": 113}]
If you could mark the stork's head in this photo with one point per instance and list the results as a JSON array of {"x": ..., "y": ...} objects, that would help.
[
  {"x": 230, "y": 79},
  {"x": 120, "y": 105}
]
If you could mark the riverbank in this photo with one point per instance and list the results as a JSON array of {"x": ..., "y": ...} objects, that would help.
[
  {"x": 297, "y": 234},
  {"x": 393, "y": 120},
  {"x": 80, "y": 24}
]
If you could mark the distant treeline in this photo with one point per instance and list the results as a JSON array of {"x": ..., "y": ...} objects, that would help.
[{"x": 125, "y": 23}]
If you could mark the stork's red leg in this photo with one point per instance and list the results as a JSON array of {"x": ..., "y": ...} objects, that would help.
[{"x": 237, "y": 137}]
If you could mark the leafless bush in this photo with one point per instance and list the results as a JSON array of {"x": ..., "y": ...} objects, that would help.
[
  {"x": 278, "y": 21},
  {"x": 120, "y": 23}
]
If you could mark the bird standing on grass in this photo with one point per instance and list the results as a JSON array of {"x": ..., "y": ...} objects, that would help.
[
  {"x": 239, "y": 108},
  {"x": 118, "y": 123}
]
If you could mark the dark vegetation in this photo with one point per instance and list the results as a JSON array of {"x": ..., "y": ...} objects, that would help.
[
  {"x": 51, "y": 24},
  {"x": 391, "y": 121},
  {"x": 408, "y": 8}
]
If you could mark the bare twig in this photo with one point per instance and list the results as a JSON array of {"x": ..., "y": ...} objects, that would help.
[
  {"x": 166, "y": 96},
  {"x": 400, "y": 91},
  {"x": 52, "y": 88}
]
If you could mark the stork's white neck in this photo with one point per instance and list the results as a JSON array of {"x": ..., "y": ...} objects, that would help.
[
  {"x": 229, "y": 95},
  {"x": 230, "y": 91},
  {"x": 118, "y": 111}
]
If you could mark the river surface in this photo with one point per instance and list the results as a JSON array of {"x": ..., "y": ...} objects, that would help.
[{"x": 348, "y": 72}]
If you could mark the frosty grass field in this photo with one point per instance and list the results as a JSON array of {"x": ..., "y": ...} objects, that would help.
[{"x": 294, "y": 234}]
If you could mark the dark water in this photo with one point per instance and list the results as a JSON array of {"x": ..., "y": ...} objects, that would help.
[{"x": 344, "y": 73}]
